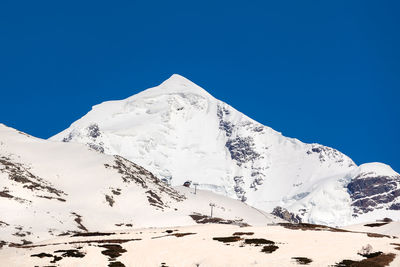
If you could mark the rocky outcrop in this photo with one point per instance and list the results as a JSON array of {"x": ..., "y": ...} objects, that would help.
[
  {"x": 286, "y": 215},
  {"x": 370, "y": 191}
]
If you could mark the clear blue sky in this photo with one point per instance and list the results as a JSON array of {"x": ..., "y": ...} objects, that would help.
[{"x": 320, "y": 71}]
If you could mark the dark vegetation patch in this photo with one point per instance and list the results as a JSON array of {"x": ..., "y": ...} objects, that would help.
[
  {"x": 16, "y": 245},
  {"x": 21, "y": 232},
  {"x": 396, "y": 244},
  {"x": 42, "y": 255},
  {"x": 370, "y": 255},
  {"x": 203, "y": 219},
  {"x": 93, "y": 234},
  {"x": 309, "y": 226},
  {"x": 182, "y": 234},
  {"x": 302, "y": 260},
  {"x": 243, "y": 233},
  {"x": 56, "y": 198},
  {"x": 68, "y": 233},
  {"x": 375, "y": 224},
  {"x": 78, "y": 220},
  {"x": 2, "y": 243},
  {"x": 110, "y": 200},
  {"x": 74, "y": 253},
  {"x": 3, "y": 223},
  {"x": 258, "y": 241},
  {"x": 377, "y": 235},
  {"x": 378, "y": 261},
  {"x": 116, "y": 191},
  {"x": 116, "y": 241},
  {"x": 116, "y": 264},
  {"x": 176, "y": 235},
  {"x": 5, "y": 194},
  {"x": 113, "y": 251},
  {"x": 124, "y": 224},
  {"x": 56, "y": 258},
  {"x": 64, "y": 253},
  {"x": 228, "y": 239},
  {"x": 269, "y": 249},
  {"x": 317, "y": 227},
  {"x": 154, "y": 199}
]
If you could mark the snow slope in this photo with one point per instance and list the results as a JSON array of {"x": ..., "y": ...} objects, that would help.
[
  {"x": 178, "y": 131},
  {"x": 52, "y": 188},
  {"x": 379, "y": 227},
  {"x": 196, "y": 246}
]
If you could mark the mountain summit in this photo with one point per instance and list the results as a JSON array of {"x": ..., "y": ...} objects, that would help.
[{"x": 181, "y": 133}]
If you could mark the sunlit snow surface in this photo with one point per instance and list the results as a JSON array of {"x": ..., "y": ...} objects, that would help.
[
  {"x": 53, "y": 188},
  {"x": 179, "y": 131}
]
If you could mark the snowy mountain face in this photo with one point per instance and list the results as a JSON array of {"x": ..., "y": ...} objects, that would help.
[
  {"x": 179, "y": 132},
  {"x": 49, "y": 189}
]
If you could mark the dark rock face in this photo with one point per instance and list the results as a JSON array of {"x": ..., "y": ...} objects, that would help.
[
  {"x": 395, "y": 206},
  {"x": 324, "y": 153},
  {"x": 132, "y": 173},
  {"x": 241, "y": 149},
  {"x": 96, "y": 147},
  {"x": 68, "y": 138},
  {"x": 21, "y": 174},
  {"x": 93, "y": 130},
  {"x": 224, "y": 125},
  {"x": 286, "y": 215},
  {"x": 374, "y": 192},
  {"x": 239, "y": 190}
]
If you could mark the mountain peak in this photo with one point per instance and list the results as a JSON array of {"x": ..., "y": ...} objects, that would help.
[
  {"x": 177, "y": 84},
  {"x": 178, "y": 79}
]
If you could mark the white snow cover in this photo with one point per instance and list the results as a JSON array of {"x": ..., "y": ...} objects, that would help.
[
  {"x": 179, "y": 131},
  {"x": 380, "y": 227},
  {"x": 50, "y": 188},
  {"x": 373, "y": 169},
  {"x": 157, "y": 247}
]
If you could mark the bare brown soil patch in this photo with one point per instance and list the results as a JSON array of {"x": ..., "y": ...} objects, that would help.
[
  {"x": 302, "y": 260},
  {"x": 269, "y": 249},
  {"x": 375, "y": 224},
  {"x": 92, "y": 234},
  {"x": 228, "y": 239},
  {"x": 378, "y": 261},
  {"x": 243, "y": 233},
  {"x": 258, "y": 241}
]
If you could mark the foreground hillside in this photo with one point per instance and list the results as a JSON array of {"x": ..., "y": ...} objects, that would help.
[
  {"x": 48, "y": 189},
  {"x": 212, "y": 245},
  {"x": 178, "y": 131}
]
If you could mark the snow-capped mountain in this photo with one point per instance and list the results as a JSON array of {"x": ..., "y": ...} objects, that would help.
[
  {"x": 180, "y": 132},
  {"x": 53, "y": 188}
]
